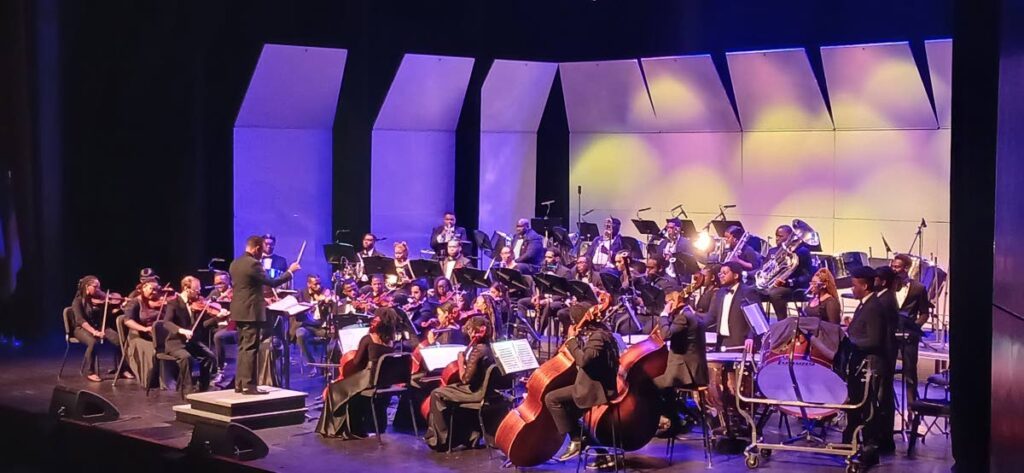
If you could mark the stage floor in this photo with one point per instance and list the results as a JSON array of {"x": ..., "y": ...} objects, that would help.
[{"x": 28, "y": 380}]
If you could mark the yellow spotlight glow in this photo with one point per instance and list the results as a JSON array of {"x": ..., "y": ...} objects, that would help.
[{"x": 703, "y": 241}]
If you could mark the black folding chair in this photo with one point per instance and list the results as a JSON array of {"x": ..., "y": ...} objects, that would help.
[
  {"x": 68, "y": 317},
  {"x": 159, "y": 335},
  {"x": 493, "y": 385},
  {"x": 391, "y": 376},
  {"x": 122, "y": 334}
]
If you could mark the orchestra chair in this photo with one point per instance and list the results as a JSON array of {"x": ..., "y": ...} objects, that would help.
[
  {"x": 940, "y": 379},
  {"x": 68, "y": 317},
  {"x": 159, "y": 335},
  {"x": 491, "y": 393},
  {"x": 937, "y": 408},
  {"x": 122, "y": 333},
  {"x": 596, "y": 451},
  {"x": 699, "y": 394},
  {"x": 391, "y": 376}
]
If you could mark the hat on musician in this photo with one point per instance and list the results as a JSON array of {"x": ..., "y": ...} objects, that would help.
[{"x": 147, "y": 274}]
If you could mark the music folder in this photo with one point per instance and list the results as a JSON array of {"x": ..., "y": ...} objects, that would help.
[
  {"x": 685, "y": 263},
  {"x": 514, "y": 356},
  {"x": 545, "y": 225},
  {"x": 482, "y": 242},
  {"x": 511, "y": 278},
  {"x": 425, "y": 268},
  {"x": 721, "y": 226},
  {"x": 290, "y": 306},
  {"x": 688, "y": 229},
  {"x": 471, "y": 277},
  {"x": 436, "y": 357}
]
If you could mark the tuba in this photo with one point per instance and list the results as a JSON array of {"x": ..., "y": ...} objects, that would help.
[{"x": 785, "y": 260}]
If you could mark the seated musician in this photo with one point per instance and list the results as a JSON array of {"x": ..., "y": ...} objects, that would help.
[
  {"x": 88, "y": 309},
  {"x": 346, "y": 414},
  {"x": 454, "y": 259},
  {"x": 441, "y": 235},
  {"x": 783, "y": 290},
  {"x": 687, "y": 359},
  {"x": 145, "y": 275},
  {"x": 868, "y": 339},
  {"x": 622, "y": 321},
  {"x": 142, "y": 312},
  {"x": 546, "y": 305},
  {"x": 415, "y": 304},
  {"x": 485, "y": 305},
  {"x": 673, "y": 243},
  {"x": 527, "y": 248},
  {"x": 187, "y": 334},
  {"x": 373, "y": 296},
  {"x": 309, "y": 326},
  {"x": 469, "y": 388},
  {"x": 445, "y": 329},
  {"x": 403, "y": 270},
  {"x": 582, "y": 271},
  {"x": 502, "y": 304},
  {"x": 707, "y": 282},
  {"x": 824, "y": 298},
  {"x": 603, "y": 249},
  {"x": 747, "y": 257},
  {"x": 506, "y": 258},
  {"x": 369, "y": 247},
  {"x": 441, "y": 293},
  {"x": 655, "y": 274},
  {"x": 596, "y": 354},
  {"x": 726, "y": 311},
  {"x": 222, "y": 293}
]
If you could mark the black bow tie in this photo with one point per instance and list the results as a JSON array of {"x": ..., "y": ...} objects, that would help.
[{"x": 730, "y": 291}]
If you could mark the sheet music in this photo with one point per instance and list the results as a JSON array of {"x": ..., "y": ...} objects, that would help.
[
  {"x": 290, "y": 305},
  {"x": 756, "y": 318},
  {"x": 514, "y": 356},
  {"x": 348, "y": 337},
  {"x": 436, "y": 357}
]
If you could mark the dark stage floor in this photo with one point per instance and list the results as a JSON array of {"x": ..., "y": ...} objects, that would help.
[{"x": 28, "y": 381}]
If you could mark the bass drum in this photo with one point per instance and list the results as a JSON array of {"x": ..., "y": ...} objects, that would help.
[{"x": 802, "y": 379}]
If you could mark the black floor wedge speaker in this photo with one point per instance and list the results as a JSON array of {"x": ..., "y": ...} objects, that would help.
[{"x": 80, "y": 405}]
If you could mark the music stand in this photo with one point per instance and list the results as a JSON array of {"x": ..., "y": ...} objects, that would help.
[
  {"x": 335, "y": 252},
  {"x": 587, "y": 231},
  {"x": 685, "y": 263},
  {"x": 561, "y": 236},
  {"x": 497, "y": 242},
  {"x": 551, "y": 284},
  {"x": 582, "y": 291},
  {"x": 721, "y": 226},
  {"x": 688, "y": 229},
  {"x": 646, "y": 227},
  {"x": 610, "y": 282},
  {"x": 471, "y": 277},
  {"x": 379, "y": 265},
  {"x": 511, "y": 279},
  {"x": 428, "y": 269},
  {"x": 652, "y": 295},
  {"x": 483, "y": 243}
]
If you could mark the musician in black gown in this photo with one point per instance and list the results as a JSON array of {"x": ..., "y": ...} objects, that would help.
[
  {"x": 346, "y": 414},
  {"x": 596, "y": 354},
  {"x": 470, "y": 388}
]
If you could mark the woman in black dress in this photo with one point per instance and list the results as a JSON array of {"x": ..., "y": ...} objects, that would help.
[
  {"x": 473, "y": 365},
  {"x": 824, "y": 302},
  {"x": 346, "y": 414}
]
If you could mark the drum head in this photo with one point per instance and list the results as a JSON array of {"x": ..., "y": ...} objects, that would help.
[{"x": 815, "y": 379}]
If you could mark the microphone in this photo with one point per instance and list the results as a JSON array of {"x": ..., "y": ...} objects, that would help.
[
  {"x": 888, "y": 249},
  {"x": 588, "y": 212},
  {"x": 579, "y": 189},
  {"x": 548, "y": 202},
  {"x": 729, "y": 206},
  {"x": 924, "y": 224},
  {"x": 643, "y": 209},
  {"x": 382, "y": 239}
]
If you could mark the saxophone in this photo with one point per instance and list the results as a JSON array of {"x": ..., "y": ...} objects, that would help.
[{"x": 785, "y": 260}]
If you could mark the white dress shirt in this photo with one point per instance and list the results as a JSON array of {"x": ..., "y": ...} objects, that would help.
[{"x": 723, "y": 327}]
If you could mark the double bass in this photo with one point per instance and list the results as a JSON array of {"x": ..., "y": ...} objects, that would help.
[{"x": 527, "y": 435}]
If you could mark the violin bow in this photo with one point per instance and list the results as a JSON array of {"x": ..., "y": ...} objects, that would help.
[{"x": 103, "y": 324}]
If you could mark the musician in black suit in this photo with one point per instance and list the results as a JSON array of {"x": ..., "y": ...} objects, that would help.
[
  {"x": 527, "y": 247},
  {"x": 596, "y": 354},
  {"x": 674, "y": 243},
  {"x": 914, "y": 311},
  {"x": 885, "y": 283},
  {"x": 546, "y": 306},
  {"x": 726, "y": 312},
  {"x": 277, "y": 263},
  {"x": 868, "y": 343},
  {"x": 454, "y": 260},
  {"x": 187, "y": 332},
  {"x": 248, "y": 309},
  {"x": 603, "y": 249},
  {"x": 687, "y": 358},
  {"x": 441, "y": 235},
  {"x": 782, "y": 290},
  {"x": 309, "y": 325},
  {"x": 369, "y": 247}
]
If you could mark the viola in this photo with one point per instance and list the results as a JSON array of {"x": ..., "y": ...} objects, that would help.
[
  {"x": 106, "y": 298},
  {"x": 527, "y": 435},
  {"x": 206, "y": 307}
]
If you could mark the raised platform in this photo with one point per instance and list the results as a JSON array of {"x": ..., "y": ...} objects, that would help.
[{"x": 278, "y": 408}]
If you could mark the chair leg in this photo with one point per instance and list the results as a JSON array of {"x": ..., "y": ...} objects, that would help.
[
  {"x": 373, "y": 411},
  {"x": 451, "y": 427},
  {"x": 483, "y": 429},
  {"x": 67, "y": 348}
]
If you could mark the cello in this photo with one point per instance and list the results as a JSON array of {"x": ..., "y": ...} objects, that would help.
[
  {"x": 527, "y": 435},
  {"x": 635, "y": 408}
]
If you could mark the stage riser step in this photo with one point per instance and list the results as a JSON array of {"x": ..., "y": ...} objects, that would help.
[
  {"x": 188, "y": 415},
  {"x": 228, "y": 403}
]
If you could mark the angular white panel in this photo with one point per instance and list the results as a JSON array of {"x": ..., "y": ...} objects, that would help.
[
  {"x": 688, "y": 94},
  {"x": 293, "y": 87},
  {"x": 607, "y": 96},
  {"x": 426, "y": 94},
  {"x": 776, "y": 90},
  {"x": 514, "y": 94},
  {"x": 940, "y": 69}
]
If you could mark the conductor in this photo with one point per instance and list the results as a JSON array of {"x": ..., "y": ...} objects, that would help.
[{"x": 248, "y": 309}]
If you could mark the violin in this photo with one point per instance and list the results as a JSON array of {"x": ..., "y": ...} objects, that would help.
[{"x": 106, "y": 298}]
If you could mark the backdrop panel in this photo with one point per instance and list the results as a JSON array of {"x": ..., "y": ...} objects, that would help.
[
  {"x": 788, "y": 174},
  {"x": 940, "y": 70},
  {"x": 512, "y": 102},
  {"x": 607, "y": 97},
  {"x": 776, "y": 90},
  {"x": 764, "y": 226},
  {"x": 426, "y": 94},
  {"x": 293, "y": 87},
  {"x": 876, "y": 86},
  {"x": 688, "y": 94}
]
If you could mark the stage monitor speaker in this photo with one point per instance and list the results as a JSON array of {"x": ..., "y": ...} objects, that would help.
[
  {"x": 227, "y": 440},
  {"x": 85, "y": 406}
]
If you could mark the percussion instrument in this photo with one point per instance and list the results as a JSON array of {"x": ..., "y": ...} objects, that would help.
[{"x": 807, "y": 379}]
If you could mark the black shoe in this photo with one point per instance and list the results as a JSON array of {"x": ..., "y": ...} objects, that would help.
[
  {"x": 253, "y": 391},
  {"x": 602, "y": 462},
  {"x": 574, "y": 449}
]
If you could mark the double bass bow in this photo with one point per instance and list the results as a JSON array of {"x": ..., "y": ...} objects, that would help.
[{"x": 527, "y": 435}]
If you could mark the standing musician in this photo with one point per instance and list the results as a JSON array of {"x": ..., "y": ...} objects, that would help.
[
  {"x": 454, "y": 259},
  {"x": 687, "y": 358},
  {"x": 596, "y": 355},
  {"x": 914, "y": 311},
  {"x": 782, "y": 291},
  {"x": 274, "y": 264},
  {"x": 222, "y": 293},
  {"x": 472, "y": 368},
  {"x": 602, "y": 251},
  {"x": 309, "y": 325},
  {"x": 747, "y": 257},
  {"x": 187, "y": 333},
  {"x": 726, "y": 312},
  {"x": 673, "y": 243},
  {"x": 88, "y": 309},
  {"x": 369, "y": 247},
  {"x": 885, "y": 283},
  {"x": 440, "y": 236},
  {"x": 527, "y": 247},
  {"x": 142, "y": 313},
  {"x": 546, "y": 306},
  {"x": 824, "y": 298},
  {"x": 345, "y": 412},
  {"x": 867, "y": 336},
  {"x": 248, "y": 309}
]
